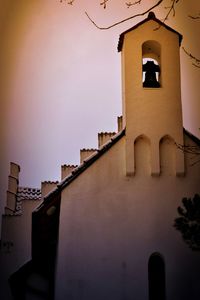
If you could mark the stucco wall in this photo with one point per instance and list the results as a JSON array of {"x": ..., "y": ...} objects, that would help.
[
  {"x": 153, "y": 112},
  {"x": 110, "y": 224}
]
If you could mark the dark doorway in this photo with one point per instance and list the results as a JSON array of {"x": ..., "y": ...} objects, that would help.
[{"x": 156, "y": 272}]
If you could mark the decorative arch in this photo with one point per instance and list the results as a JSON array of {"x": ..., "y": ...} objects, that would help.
[
  {"x": 167, "y": 150},
  {"x": 142, "y": 155},
  {"x": 156, "y": 276},
  {"x": 151, "y": 64}
]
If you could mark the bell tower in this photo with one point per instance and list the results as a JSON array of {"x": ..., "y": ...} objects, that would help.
[{"x": 151, "y": 90}]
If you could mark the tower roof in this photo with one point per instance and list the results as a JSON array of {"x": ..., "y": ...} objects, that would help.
[{"x": 151, "y": 16}]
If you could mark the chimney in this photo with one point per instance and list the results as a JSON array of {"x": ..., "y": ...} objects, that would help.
[{"x": 13, "y": 183}]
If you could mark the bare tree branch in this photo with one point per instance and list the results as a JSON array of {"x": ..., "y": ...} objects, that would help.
[
  {"x": 171, "y": 8},
  {"x": 194, "y": 17},
  {"x": 69, "y": 2},
  {"x": 129, "y": 4},
  {"x": 104, "y": 3},
  {"x": 193, "y": 150},
  {"x": 195, "y": 60},
  {"x": 125, "y": 20},
  {"x": 189, "y": 149}
]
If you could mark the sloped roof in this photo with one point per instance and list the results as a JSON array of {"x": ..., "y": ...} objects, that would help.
[
  {"x": 81, "y": 168},
  {"x": 151, "y": 16},
  {"x": 89, "y": 161}
]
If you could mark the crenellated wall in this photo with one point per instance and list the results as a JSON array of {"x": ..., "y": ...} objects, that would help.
[
  {"x": 85, "y": 153},
  {"x": 104, "y": 137},
  {"x": 66, "y": 170},
  {"x": 47, "y": 187}
]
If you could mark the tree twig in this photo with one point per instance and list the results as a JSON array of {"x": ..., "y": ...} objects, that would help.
[
  {"x": 129, "y": 4},
  {"x": 104, "y": 3},
  {"x": 126, "y": 19},
  {"x": 195, "y": 60},
  {"x": 193, "y": 150},
  {"x": 69, "y": 2},
  {"x": 171, "y": 9},
  {"x": 194, "y": 17}
]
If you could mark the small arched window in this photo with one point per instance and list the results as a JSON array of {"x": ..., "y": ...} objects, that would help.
[
  {"x": 151, "y": 64},
  {"x": 156, "y": 272}
]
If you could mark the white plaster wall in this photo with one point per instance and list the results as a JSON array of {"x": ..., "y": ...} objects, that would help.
[{"x": 110, "y": 224}]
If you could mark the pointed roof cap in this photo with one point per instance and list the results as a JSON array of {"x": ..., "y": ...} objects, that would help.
[{"x": 151, "y": 16}]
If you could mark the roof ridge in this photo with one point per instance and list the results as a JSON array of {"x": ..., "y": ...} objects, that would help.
[{"x": 151, "y": 16}]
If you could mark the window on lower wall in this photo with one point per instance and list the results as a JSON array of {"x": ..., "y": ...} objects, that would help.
[{"x": 156, "y": 272}]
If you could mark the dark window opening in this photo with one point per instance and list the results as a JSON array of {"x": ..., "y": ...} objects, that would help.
[{"x": 156, "y": 272}]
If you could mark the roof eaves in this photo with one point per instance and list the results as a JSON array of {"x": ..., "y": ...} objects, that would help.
[{"x": 151, "y": 16}]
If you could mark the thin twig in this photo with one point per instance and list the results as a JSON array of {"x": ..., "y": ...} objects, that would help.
[
  {"x": 195, "y": 162},
  {"x": 129, "y": 4},
  {"x": 104, "y": 3},
  {"x": 124, "y": 20},
  {"x": 189, "y": 149},
  {"x": 69, "y": 2},
  {"x": 171, "y": 8},
  {"x": 196, "y": 61},
  {"x": 194, "y": 17},
  {"x": 193, "y": 150}
]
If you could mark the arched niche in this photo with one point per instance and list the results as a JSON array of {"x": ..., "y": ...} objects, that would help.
[
  {"x": 151, "y": 64},
  {"x": 156, "y": 276},
  {"x": 167, "y": 149},
  {"x": 142, "y": 155}
]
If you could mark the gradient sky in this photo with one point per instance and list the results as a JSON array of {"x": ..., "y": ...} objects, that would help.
[{"x": 60, "y": 80}]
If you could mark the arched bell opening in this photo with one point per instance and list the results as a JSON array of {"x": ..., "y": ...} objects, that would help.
[{"x": 151, "y": 69}]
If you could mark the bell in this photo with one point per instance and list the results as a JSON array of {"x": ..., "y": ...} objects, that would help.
[{"x": 150, "y": 69}]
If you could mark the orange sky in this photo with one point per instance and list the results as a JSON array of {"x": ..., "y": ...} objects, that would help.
[{"x": 60, "y": 81}]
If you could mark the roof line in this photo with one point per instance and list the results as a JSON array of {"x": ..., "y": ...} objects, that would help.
[
  {"x": 151, "y": 16},
  {"x": 82, "y": 167},
  {"x": 89, "y": 161}
]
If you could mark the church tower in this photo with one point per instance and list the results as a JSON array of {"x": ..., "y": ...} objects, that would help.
[{"x": 151, "y": 90}]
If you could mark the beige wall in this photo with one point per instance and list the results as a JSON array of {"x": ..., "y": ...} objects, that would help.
[{"x": 110, "y": 224}]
